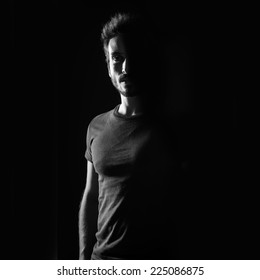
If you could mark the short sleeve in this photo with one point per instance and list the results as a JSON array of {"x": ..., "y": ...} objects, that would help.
[{"x": 88, "y": 153}]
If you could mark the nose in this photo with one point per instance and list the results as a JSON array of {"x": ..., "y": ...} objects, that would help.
[{"x": 125, "y": 66}]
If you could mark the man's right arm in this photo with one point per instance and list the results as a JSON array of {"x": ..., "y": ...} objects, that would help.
[{"x": 88, "y": 214}]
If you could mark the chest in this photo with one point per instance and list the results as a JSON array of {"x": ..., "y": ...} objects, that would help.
[{"x": 116, "y": 150}]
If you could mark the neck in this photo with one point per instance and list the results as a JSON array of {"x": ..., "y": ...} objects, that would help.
[{"x": 130, "y": 106}]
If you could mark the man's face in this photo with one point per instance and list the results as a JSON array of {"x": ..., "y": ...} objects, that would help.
[{"x": 123, "y": 59}]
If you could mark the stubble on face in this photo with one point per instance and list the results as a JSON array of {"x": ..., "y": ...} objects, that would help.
[
  {"x": 123, "y": 82},
  {"x": 126, "y": 88}
]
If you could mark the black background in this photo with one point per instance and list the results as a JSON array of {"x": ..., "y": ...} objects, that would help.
[{"x": 57, "y": 82}]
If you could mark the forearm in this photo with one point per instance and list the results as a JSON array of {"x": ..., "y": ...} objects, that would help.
[{"x": 87, "y": 227}]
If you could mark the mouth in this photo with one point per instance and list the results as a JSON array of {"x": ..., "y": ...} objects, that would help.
[{"x": 126, "y": 81}]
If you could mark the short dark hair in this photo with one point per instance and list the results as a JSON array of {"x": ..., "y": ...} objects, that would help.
[{"x": 123, "y": 23}]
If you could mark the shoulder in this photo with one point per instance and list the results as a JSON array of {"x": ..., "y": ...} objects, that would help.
[
  {"x": 99, "y": 122},
  {"x": 101, "y": 118}
]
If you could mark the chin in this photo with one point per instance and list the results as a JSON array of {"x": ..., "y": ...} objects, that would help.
[{"x": 129, "y": 93}]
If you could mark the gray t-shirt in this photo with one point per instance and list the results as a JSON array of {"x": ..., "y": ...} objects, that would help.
[{"x": 136, "y": 172}]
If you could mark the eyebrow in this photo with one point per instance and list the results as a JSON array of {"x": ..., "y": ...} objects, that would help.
[{"x": 117, "y": 52}]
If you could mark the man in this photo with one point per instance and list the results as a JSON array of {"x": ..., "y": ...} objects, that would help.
[{"x": 127, "y": 209}]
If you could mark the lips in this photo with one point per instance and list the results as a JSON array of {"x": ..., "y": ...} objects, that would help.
[{"x": 125, "y": 79}]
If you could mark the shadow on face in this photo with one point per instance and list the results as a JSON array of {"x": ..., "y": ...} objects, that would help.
[{"x": 145, "y": 67}]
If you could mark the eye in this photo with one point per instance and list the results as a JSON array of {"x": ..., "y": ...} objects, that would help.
[{"x": 117, "y": 58}]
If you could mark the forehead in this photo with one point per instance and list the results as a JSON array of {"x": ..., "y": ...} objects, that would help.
[{"x": 117, "y": 44}]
